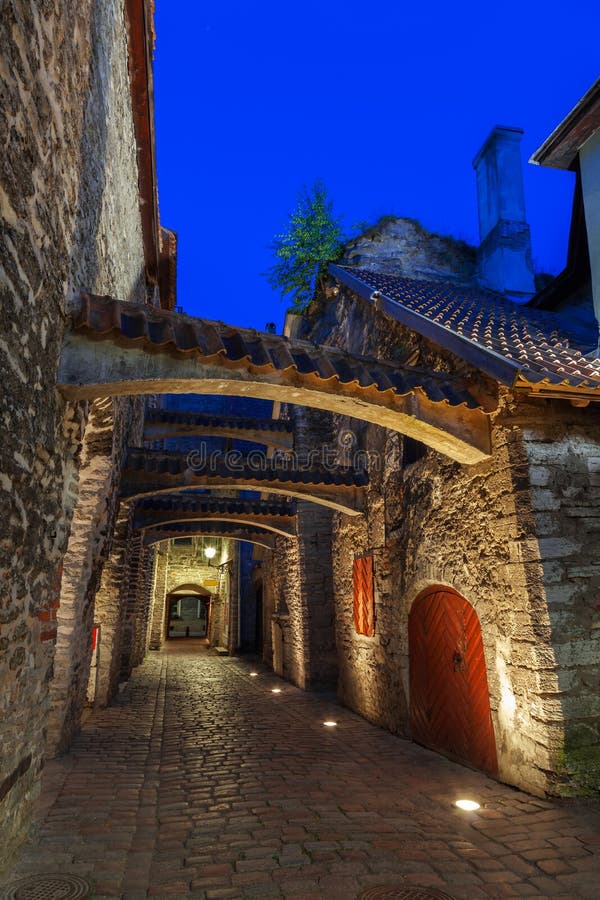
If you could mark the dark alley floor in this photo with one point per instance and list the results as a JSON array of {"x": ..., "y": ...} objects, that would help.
[{"x": 199, "y": 781}]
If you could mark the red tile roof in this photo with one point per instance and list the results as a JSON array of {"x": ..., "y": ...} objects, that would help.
[
  {"x": 104, "y": 318},
  {"x": 518, "y": 345}
]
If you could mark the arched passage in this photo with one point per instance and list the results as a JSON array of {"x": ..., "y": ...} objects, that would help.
[
  {"x": 449, "y": 696},
  {"x": 188, "y": 612}
]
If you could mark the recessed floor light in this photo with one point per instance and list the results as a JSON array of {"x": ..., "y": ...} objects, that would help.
[
  {"x": 330, "y": 724},
  {"x": 275, "y": 690},
  {"x": 467, "y": 805},
  {"x": 253, "y": 674}
]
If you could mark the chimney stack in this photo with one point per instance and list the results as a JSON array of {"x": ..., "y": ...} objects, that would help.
[{"x": 504, "y": 254}]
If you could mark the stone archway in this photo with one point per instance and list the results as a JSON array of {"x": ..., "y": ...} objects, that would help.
[
  {"x": 449, "y": 695},
  {"x": 187, "y": 625}
]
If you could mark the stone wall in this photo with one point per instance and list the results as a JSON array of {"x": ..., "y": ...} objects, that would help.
[
  {"x": 514, "y": 535},
  {"x": 156, "y": 632},
  {"x": 562, "y": 447},
  {"x": 110, "y": 426},
  {"x": 68, "y": 199},
  {"x": 299, "y": 595},
  {"x": 403, "y": 247}
]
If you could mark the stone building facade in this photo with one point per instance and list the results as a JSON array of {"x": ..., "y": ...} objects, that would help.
[{"x": 70, "y": 214}]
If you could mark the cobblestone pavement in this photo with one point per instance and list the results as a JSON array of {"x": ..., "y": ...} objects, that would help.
[{"x": 199, "y": 781}]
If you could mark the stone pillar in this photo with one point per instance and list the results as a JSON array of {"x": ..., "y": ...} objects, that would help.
[
  {"x": 157, "y": 627},
  {"x": 91, "y": 531},
  {"x": 109, "y": 613}
]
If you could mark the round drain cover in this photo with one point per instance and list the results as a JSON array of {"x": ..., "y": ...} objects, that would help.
[
  {"x": 389, "y": 892},
  {"x": 48, "y": 887}
]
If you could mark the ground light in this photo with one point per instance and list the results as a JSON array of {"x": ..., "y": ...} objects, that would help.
[
  {"x": 330, "y": 724},
  {"x": 253, "y": 674},
  {"x": 467, "y": 805},
  {"x": 275, "y": 690}
]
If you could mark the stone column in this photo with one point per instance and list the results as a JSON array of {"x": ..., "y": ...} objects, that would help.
[
  {"x": 109, "y": 614},
  {"x": 157, "y": 627},
  {"x": 91, "y": 532}
]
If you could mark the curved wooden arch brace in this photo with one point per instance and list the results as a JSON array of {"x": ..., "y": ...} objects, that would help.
[
  {"x": 348, "y": 500},
  {"x": 274, "y": 525},
  {"x": 166, "y": 424},
  {"x": 96, "y": 368},
  {"x": 154, "y": 536}
]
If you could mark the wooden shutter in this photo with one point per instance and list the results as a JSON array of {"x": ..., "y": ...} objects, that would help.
[{"x": 364, "y": 599}]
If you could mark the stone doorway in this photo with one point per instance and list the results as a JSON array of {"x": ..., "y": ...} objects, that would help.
[{"x": 449, "y": 696}]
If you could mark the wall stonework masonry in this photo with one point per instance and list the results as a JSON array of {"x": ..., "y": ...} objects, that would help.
[
  {"x": 68, "y": 224},
  {"x": 515, "y": 535}
]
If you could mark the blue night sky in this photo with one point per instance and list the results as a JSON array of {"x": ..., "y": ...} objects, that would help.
[{"x": 386, "y": 102}]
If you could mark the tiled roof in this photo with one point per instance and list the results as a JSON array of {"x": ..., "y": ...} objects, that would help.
[
  {"x": 518, "y": 345},
  {"x": 181, "y": 417},
  {"x": 237, "y": 348},
  {"x": 251, "y": 533},
  {"x": 148, "y": 472},
  {"x": 177, "y": 509},
  {"x": 202, "y": 504},
  {"x": 164, "y": 462}
]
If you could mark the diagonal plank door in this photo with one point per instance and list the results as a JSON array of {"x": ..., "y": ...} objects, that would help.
[{"x": 449, "y": 696}]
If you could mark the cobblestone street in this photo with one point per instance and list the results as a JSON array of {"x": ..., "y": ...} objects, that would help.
[{"x": 199, "y": 781}]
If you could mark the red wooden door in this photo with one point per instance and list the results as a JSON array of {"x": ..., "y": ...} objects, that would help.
[{"x": 449, "y": 696}]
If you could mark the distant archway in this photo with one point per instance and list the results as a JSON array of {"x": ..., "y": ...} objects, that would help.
[{"x": 187, "y": 611}]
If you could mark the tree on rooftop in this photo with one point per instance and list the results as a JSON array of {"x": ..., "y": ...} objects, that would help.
[{"x": 312, "y": 239}]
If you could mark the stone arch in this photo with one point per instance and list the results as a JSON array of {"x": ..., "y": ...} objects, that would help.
[
  {"x": 187, "y": 590},
  {"x": 190, "y": 588}
]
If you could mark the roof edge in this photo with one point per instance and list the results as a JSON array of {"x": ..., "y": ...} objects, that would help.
[
  {"x": 560, "y": 149},
  {"x": 488, "y": 361}
]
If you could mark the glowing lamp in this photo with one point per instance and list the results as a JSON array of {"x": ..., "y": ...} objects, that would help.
[
  {"x": 210, "y": 552},
  {"x": 467, "y": 805},
  {"x": 330, "y": 723},
  {"x": 275, "y": 690}
]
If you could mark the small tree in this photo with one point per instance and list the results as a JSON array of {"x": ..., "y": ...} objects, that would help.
[{"x": 313, "y": 238}]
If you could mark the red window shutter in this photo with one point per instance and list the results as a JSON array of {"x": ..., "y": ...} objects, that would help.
[{"x": 364, "y": 600}]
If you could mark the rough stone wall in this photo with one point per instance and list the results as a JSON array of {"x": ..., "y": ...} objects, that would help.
[
  {"x": 137, "y": 618},
  {"x": 299, "y": 576},
  {"x": 284, "y": 603},
  {"x": 159, "y": 596},
  {"x": 109, "y": 428},
  {"x": 110, "y": 606},
  {"x": 562, "y": 447},
  {"x": 68, "y": 200},
  {"x": 403, "y": 247},
  {"x": 522, "y": 553}
]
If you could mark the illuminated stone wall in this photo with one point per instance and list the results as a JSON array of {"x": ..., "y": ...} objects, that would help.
[
  {"x": 515, "y": 535},
  {"x": 69, "y": 205}
]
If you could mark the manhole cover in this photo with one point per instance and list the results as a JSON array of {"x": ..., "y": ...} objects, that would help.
[
  {"x": 389, "y": 892},
  {"x": 48, "y": 887}
]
